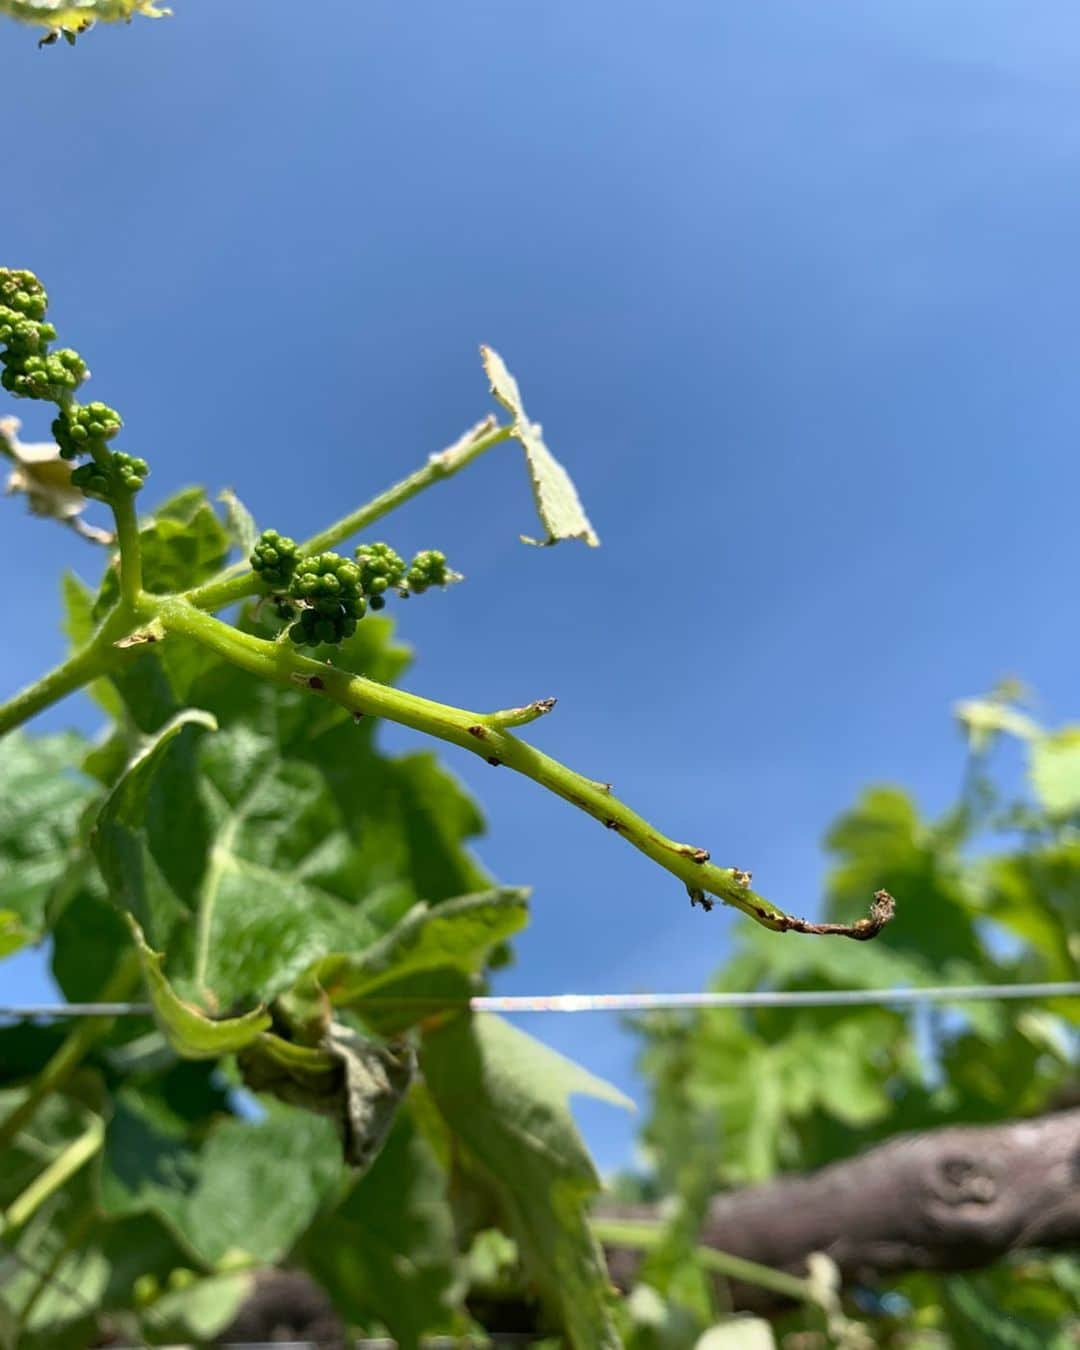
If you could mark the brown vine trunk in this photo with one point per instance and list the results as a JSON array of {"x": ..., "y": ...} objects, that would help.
[{"x": 947, "y": 1200}]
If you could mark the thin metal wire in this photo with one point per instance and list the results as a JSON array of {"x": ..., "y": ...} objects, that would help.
[{"x": 573, "y": 1003}]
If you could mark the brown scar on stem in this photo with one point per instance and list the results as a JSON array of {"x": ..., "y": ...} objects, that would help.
[
  {"x": 495, "y": 763},
  {"x": 308, "y": 681},
  {"x": 612, "y": 824},
  {"x": 742, "y": 878},
  {"x": 479, "y": 732}
]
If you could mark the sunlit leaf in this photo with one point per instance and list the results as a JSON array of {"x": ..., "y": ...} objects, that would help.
[{"x": 557, "y": 502}]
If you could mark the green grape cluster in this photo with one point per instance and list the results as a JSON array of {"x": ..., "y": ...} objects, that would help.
[
  {"x": 84, "y": 429},
  {"x": 322, "y": 597},
  {"x": 274, "y": 559},
  {"x": 380, "y": 569},
  {"x": 328, "y": 588},
  {"x": 120, "y": 474},
  {"x": 428, "y": 568},
  {"x": 31, "y": 370}
]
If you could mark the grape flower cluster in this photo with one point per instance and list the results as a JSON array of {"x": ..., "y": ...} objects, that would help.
[
  {"x": 31, "y": 370},
  {"x": 323, "y": 596}
]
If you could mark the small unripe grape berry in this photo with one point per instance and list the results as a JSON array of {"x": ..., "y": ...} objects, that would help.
[
  {"x": 48, "y": 376},
  {"x": 23, "y": 336},
  {"x": 80, "y": 429},
  {"x": 329, "y": 588},
  {"x": 124, "y": 475},
  {"x": 380, "y": 568},
  {"x": 21, "y": 291},
  {"x": 428, "y": 568},
  {"x": 274, "y": 559},
  {"x": 129, "y": 471}
]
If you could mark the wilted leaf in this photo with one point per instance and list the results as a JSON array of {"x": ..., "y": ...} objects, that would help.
[
  {"x": 45, "y": 478},
  {"x": 557, "y": 501},
  {"x": 376, "y": 1079},
  {"x": 356, "y": 1083}
]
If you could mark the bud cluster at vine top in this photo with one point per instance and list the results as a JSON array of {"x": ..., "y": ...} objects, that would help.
[
  {"x": 324, "y": 595},
  {"x": 31, "y": 370}
]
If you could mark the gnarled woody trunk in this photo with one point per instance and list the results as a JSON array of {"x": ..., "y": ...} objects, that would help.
[{"x": 947, "y": 1200}]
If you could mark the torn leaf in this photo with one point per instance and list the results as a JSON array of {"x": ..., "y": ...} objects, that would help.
[{"x": 557, "y": 501}]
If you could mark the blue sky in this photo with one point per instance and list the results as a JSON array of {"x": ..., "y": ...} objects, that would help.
[{"x": 793, "y": 289}]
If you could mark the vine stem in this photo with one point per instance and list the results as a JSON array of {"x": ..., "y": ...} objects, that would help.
[
  {"x": 238, "y": 582},
  {"x": 124, "y": 979},
  {"x": 644, "y": 1236},
  {"x": 62, "y": 1168},
  {"x": 83, "y": 666},
  {"x": 127, "y": 538},
  {"x": 485, "y": 734}
]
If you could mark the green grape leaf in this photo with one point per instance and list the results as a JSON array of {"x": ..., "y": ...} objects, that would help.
[
  {"x": 252, "y": 1187},
  {"x": 1055, "y": 771},
  {"x": 1036, "y": 896},
  {"x": 505, "y": 1096},
  {"x": 189, "y": 1031},
  {"x": 459, "y": 934},
  {"x": 360, "y": 1263},
  {"x": 43, "y": 799},
  {"x": 79, "y": 626},
  {"x": 882, "y": 842},
  {"x": 183, "y": 543},
  {"x": 557, "y": 502},
  {"x": 146, "y": 847}
]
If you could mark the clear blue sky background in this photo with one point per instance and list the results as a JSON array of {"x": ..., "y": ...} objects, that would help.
[{"x": 792, "y": 287}]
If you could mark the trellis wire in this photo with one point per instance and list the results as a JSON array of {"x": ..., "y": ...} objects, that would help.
[{"x": 574, "y": 1003}]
